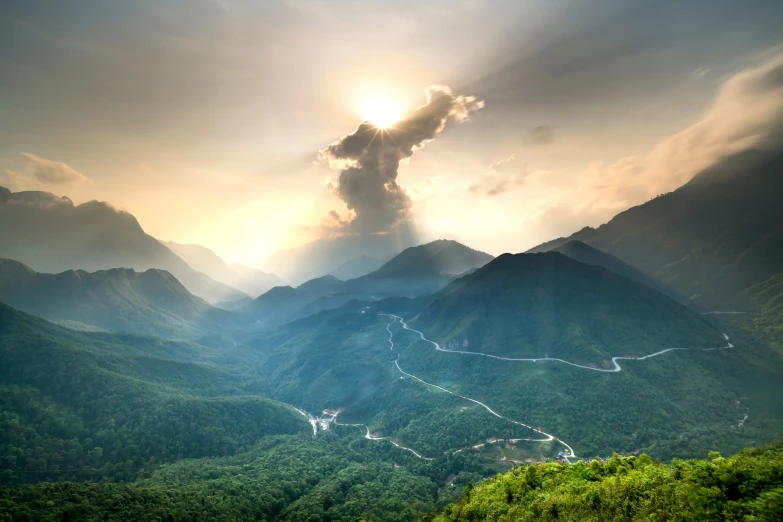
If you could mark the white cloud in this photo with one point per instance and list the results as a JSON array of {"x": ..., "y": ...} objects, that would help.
[
  {"x": 503, "y": 175},
  {"x": 15, "y": 181},
  {"x": 53, "y": 172},
  {"x": 746, "y": 113}
]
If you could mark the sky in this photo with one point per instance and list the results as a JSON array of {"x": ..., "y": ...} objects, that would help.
[{"x": 238, "y": 124}]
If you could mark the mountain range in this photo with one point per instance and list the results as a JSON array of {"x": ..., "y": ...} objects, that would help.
[
  {"x": 569, "y": 346},
  {"x": 152, "y": 302},
  {"x": 414, "y": 272},
  {"x": 328, "y": 254},
  {"x": 251, "y": 281},
  {"x": 51, "y": 234},
  {"x": 709, "y": 240}
]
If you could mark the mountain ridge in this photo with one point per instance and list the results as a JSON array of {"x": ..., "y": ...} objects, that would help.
[
  {"x": 570, "y": 310},
  {"x": 152, "y": 302},
  {"x": 51, "y": 234}
]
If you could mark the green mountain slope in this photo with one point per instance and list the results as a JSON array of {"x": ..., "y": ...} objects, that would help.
[
  {"x": 769, "y": 297},
  {"x": 592, "y": 256},
  {"x": 112, "y": 405},
  {"x": 671, "y": 405},
  {"x": 710, "y": 239},
  {"x": 151, "y": 302},
  {"x": 284, "y": 303},
  {"x": 747, "y": 486},
  {"x": 51, "y": 234},
  {"x": 538, "y": 305}
]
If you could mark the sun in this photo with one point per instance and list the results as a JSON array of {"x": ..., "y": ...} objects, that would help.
[{"x": 381, "y": 113}]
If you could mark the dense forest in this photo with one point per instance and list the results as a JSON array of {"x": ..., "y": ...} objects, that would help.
[{"x": 745, "y": 487}]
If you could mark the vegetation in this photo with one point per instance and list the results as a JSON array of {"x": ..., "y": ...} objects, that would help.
[
  {"x": 580, "y": 313},
  {"x": 151, "y": 302},
  {"x": 78, "y": 405},
  {"x": 745, "y": 487},
  {"x": 710, "y": 239},
  {"x": 281, "y": 478}
]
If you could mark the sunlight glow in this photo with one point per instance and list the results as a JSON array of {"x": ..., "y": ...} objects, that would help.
[{"x": 381, "y": 113}]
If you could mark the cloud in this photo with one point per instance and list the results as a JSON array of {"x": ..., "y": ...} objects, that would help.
[
  {"x": 427, "y": 188},
  {"x": 700, "y": 72},
  {"x": 543, "y": 134},
  {"x": 16, "y": 181},
  {"x": 745, "y": 113},
  {"x": 503, "y": 175},
  {"x": 53, "y": 172},
  {"x": 369, "y": 160}
]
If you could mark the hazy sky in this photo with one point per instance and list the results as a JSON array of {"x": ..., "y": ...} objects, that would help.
[{"x": 205, "y": 118}]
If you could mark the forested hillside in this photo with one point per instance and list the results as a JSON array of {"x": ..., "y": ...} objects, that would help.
[
  {"x": 747, "y": 486},
  {"x": 92, "y": 406},
  {"x": 710, "y": 239},
  {"x": 570, "y": 310},
  {"x": 152, "y": 302}
]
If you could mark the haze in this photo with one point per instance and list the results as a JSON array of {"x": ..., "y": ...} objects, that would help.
[{"x": 205, "y": 119}]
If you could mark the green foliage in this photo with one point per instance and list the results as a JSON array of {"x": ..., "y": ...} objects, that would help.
[
  {"x": 90, "y": 406},
  {"x": 747, "y": 486},
  {"x": 151, "y": 302},
  {"x": 583, "y": 314}
]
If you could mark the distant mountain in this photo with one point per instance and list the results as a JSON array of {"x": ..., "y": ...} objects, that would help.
[
  {"x": 415, "y": 272},
  {"x": 251, "y": 281},
  {"x": 418, "y": 270},
  {"x": 283, "y": 303},
  {"x": 709, "y": 240},
  {"x": 51, "y": 234},
  {"x": 592, "y": 256},
  {"x": 325, "y": 255},
  {"x": 538, "y": 305},
  {"x": 151, "y": 302},
  {"x": 357, "y": 267}
]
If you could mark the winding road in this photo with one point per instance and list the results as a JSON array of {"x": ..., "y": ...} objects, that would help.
[
  {"x": 547, "y": 437},
  {"x": 615, "y": 369}
]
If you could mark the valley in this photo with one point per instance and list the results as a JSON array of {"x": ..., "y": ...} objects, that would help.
[{"x": 498, "y": 305}]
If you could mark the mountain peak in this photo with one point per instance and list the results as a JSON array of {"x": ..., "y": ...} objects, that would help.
[
  {"x": 571, "y": 310},
  {"x": 440, "y": 257}
]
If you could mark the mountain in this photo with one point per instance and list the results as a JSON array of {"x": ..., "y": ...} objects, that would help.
[
  {"x": 678, "y": 403},
  {"x": 539, "y": 305},
  {"x": 418, "y": 270},
  {"x": 251, "y": 281},
  {"x": 73, "y": 401},
  {"x": 414, "y": 272},
  {"x": 151, "y": 302},
  {"x": 709, "y": 240},
  {"x": 51, "y": 234},
  {"x": 592, "y": 256},
  {"x": 356, "y": 267},
  {"x": 283, "y": 303},
  {"x": 325, "y": 255}
]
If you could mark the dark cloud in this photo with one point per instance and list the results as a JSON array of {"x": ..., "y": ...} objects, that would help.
[
  {"x": 543, "y": 134},
  {"x": 369, "y": 160}
]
